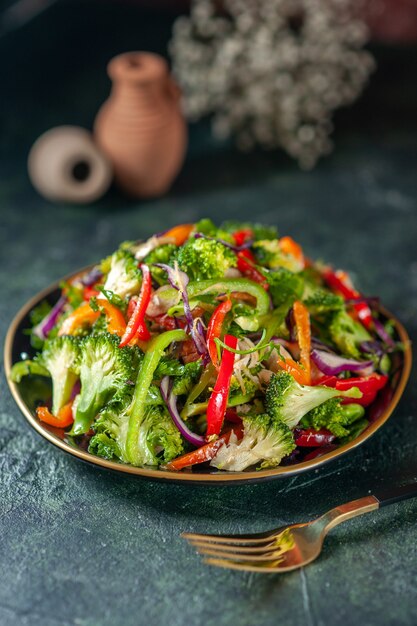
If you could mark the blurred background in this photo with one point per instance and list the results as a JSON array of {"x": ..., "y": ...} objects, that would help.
[{"x": 53, "y": 72}]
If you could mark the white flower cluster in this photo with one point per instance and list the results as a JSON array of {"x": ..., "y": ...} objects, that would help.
[{"x": 271, "y": 71}]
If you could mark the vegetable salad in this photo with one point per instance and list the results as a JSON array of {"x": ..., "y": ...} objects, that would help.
[{"x": 204, "y": 344}]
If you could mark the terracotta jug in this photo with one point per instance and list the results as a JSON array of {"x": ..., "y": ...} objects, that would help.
[{"x": 140, "y": 127}]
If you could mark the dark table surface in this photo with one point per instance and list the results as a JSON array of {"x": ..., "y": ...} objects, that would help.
[{"x": 84, "y": 547}]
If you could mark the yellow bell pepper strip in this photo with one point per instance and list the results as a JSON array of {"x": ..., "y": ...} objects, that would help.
[
  {"x": 153, "y": 355},
  {"x": 339, "y": 281},
  {"x": 214, "y": 329},
  {"x": 136, "y": 326},
  {"x": 289, "y": 246},
  {"x": 179, "y": 234},
  {"x": 217, "y": 404},
  {"x": 205, "y": 453},
  {"x": 62, "y": 420},
  {"x": 302, "y": 324},
  {"x": 85, "y": 315}
]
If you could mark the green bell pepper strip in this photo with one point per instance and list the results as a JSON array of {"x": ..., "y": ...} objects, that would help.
[
  {"x": 25, "y": 368},
  {"x": 223, "y": 285},
  {"x": 144, "y": 380},
  {"x": 201, "y": 407},
  {"x": 208, "y": 373}
]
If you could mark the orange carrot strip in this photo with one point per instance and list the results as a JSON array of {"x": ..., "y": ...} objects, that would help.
[
  {"x": 179, "y": 233},
  {"x": 293, "y": 368},
  {"x": 205, "y": 453},
  {"x": 302, "y": 323},
  {"x": 289, "y": 246},
  {"x": 84, "y": 314},
  {"x": 62, "y": 420}
]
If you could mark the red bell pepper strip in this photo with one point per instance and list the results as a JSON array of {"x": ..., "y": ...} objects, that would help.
[
  {"x": 368, "y": 385},
  {"x": 214, "y": 329},
  {"x": 62, "y": 420},
  {"x": 206, "y": 452},
  {"x": 339, "y": 281},
  {"x": 302, "y": 324},
  {"x": 218, "y": 400},
  {"x": 89, "y": 292},
  {"x": 310, "y": 438},
  {"x": 240, "y": 236},
  {"x": 246, "y": 265},
  {"x": 232, "y": 416},
  {"x": 136, "y": 327},
  {"x": 131, "y": 306}
]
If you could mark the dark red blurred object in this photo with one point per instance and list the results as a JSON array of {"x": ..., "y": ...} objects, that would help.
[{"x": 391, "y": 21}]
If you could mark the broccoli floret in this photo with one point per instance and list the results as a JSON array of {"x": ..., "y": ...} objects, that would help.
[
  {"x": 334, "y": 416},
  {"x": 60, "y": 356},
  {"x": 161, "y": 254},
  {"x": 243, "y": 383},
  {"x": 269, "y": 254},
  {"x": 105, "y": 372},
  {"x": 288, "y": 401},
  {"x": 159, "y": 439},
  {"x": 207, "y": 227},
  {"x": 168, "y": 367},
  {"x": 285, "y": 287},
  {"x": 264, "y": 440},
  {"x": 186, "y": 381},
  {"x": 322, "y": 301},
  {"x": 205, "y": 259},
  {"x": 260, "y": 231},
  {"x": 355, "y": 430},
  {"x": 154, "y": 395},
  {"x": 124, "y": 277},
  {"x": 102, "y": 445},
  {"x": 347, "y": 334}
]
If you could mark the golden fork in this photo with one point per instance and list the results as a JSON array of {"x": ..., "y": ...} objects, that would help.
[{"x": 289, "y": 547}]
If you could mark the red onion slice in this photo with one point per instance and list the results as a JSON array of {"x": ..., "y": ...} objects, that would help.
[
  {"x": 333, "y": 364},
  {"x": 179, "y": 281},
  {"x": 91, "y": 277},
  {"x": 171, "y": 402},
  {"x": 44, "y": 327},
  {"x": 379, "y": 327}
]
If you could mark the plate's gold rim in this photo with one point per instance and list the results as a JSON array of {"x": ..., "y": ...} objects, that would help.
[{"x": 221, "y": 477}]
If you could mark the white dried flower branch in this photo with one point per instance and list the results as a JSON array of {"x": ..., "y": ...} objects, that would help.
[{"x": 271, "y": 72}]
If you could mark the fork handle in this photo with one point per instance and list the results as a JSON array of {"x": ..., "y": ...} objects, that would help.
[{"x": 395, "y": 494}]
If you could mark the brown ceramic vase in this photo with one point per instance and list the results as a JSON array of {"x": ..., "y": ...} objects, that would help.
[{"x": 140, "y": 127}]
